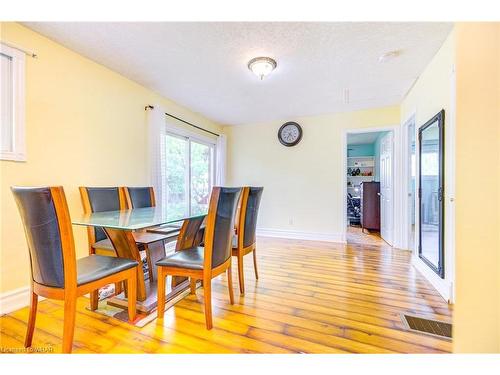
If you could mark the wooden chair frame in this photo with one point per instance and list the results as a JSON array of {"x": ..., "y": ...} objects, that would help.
[
  {"x": 71, "y": 290},
  {"x": 87, "y": 209},
  {"x": 206, "y": 274},
  {"x": 240, "y": 251},
  {"x": 128, "y": 199}
]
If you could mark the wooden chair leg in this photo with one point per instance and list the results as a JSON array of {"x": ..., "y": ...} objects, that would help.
[
  {"x": 192, "y": 285},
  {"x": 161, "y": 292},
  {"x": 118, "y": 288},
  {"x": 230, "y": 285},
  {"x": 69, "y": 321},
  {"x": 31, "y": 319},
  {"x": 132, "y": 294},
  {"x": 255, "y": 264},
  {"x": 94, "y": 299},
  {"x": 241, "y": 275},
  {"x": 207, "y": 293}
]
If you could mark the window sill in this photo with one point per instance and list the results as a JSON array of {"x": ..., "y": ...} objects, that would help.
[{"x": 13, "y": 156}]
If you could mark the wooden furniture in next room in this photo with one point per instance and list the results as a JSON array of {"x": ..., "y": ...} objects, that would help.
[
  {"x": 205, "y": 263},
  {"x": 244, "y": 242},
  {"x": 55, "y": 271},
  {"x": 370, "y": 206}
]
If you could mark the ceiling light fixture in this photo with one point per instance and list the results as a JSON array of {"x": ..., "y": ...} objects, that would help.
[
  {"x": 262, "y": 66},
  {"x": 389, "y": 56}
]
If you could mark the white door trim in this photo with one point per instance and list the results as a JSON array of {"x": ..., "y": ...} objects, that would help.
[
  {"x": 396, "y": 173},
  {"x": 405, "y": 152},
  {"x": 387, "y": 215}
]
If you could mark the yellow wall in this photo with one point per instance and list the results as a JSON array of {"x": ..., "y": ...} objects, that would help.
[
  {"x": 303, "y": 190},
  {"x": 432, "y": 90},
  {"x": 431, "y": 93},
  {"x": 477, "y": 311},
  {"x": 85, "y": 125}
]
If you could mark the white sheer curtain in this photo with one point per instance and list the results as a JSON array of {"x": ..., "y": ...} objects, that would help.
[
  {"x": 157, "y": 153},
  {"x": 221, "y": 150}
]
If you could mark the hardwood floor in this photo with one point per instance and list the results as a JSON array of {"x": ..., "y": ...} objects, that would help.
[{"x": 312, "y": 297}]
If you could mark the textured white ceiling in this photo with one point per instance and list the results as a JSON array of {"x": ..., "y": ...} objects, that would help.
[{"x": 203, "y": 66}]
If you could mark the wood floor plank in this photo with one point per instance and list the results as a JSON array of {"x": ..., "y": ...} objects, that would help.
[{"x": 312, "y": 297}]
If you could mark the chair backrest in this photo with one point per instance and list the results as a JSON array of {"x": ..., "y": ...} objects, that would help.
[
  {"x": 100, "y": 199},
  {"x": 249, "y": 210},
  {"x": 220, "y": 225},
  {"x": 188, "y": 234},
  {"x": 47, "y": 225},
  {"x": 139, "y": 197}
]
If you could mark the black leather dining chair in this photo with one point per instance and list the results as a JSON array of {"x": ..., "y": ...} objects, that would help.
[
  {"x": 101, "y": 199},
  {"x": 245, "y": 241},
  {"x": 205, "y": 263},
  {"x": 55, "y": 271},
  {"x": 139, "y": 197}
]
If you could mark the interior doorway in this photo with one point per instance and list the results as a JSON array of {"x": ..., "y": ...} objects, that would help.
[{"x": 369, "y": 186}]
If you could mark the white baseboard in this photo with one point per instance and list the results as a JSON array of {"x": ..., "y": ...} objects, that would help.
[
  {"x": 14, "y": 300},
  {"x": 443, "y": 287},
  {"x": 299, "y": 235}
]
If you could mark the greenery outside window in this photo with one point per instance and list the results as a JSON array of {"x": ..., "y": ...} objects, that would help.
[{"x": 190, "y": 174}]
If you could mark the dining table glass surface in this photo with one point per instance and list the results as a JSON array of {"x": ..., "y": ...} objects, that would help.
[{"x": 132, "y": 219}]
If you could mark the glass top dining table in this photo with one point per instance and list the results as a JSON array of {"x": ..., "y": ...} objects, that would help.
[{"x": 132, "y": 219}]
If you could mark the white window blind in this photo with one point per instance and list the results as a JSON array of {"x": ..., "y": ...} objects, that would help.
[{"x": 12, "y": 145}]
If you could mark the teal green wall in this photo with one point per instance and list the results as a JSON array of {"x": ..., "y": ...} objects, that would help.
[{"x": 361, "y": 150}]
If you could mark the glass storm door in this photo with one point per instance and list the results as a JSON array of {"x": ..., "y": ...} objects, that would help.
[
  {"x": 431, "y": 189},
  {"x": 201, "y": 176},
  {"x": 189, "y": 175},
  {"x": 177, "y": 165}
]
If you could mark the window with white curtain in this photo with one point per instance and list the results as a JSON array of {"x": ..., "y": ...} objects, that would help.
[
  {"x": 190, "y": 174},
  {"x": 12, "y": 144}
]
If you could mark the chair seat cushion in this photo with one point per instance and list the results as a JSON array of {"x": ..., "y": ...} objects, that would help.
[
  {"x": 103, "y": 244},
  {"x": 190, "y": 258},
  {"x": 95, "y": 267}
]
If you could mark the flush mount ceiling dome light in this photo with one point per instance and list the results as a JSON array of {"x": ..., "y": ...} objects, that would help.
[{"x": 262, "y": 66}]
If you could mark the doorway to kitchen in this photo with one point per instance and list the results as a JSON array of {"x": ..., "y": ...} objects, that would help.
[{"x": 369, "y": 185}]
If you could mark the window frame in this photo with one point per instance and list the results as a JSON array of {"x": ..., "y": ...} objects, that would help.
[
  {"x": 18, "y": 152},
  {"x": 192, "y": 137}
]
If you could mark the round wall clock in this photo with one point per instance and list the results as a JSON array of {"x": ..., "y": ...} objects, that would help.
[{"x": 290, "y": 133}]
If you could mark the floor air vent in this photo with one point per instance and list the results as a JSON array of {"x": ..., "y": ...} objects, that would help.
[{"x": 427, "y": 326}]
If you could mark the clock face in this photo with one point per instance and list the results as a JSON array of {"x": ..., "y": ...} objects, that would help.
[{"x": 290, "y": 134}]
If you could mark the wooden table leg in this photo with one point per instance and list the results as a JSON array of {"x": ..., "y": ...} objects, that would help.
[
  {"x": 125, "y": 246},
  {"x": 155, "y": 252}
]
